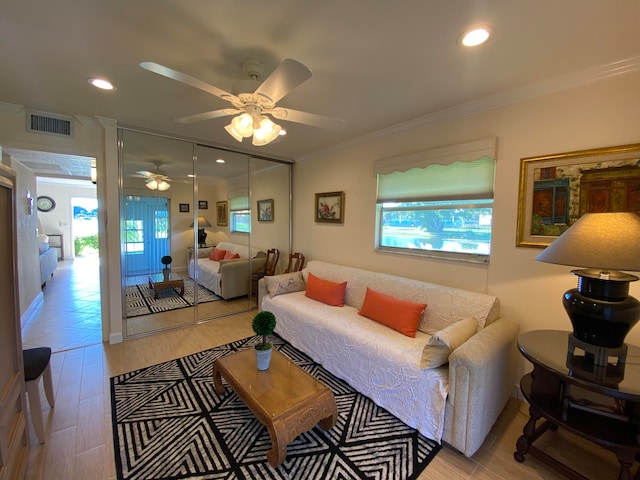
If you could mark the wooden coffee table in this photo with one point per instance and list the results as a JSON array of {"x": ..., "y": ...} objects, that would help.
[
  {"x": 158, "y": 282},
  {"x": 284, "y": 398}
]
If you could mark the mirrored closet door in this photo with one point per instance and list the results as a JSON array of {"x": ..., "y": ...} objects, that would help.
[{"x": 182, "y": 205}]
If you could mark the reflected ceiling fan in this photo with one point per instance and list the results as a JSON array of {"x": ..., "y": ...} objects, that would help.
[
  {"x": 253, "y": 109},
  {"x": 157, "y": 180}
]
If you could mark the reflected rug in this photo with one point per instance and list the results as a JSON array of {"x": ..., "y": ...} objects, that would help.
[
  {"x": 169, "y": 423},
  {"x": 139, "y": 298}
]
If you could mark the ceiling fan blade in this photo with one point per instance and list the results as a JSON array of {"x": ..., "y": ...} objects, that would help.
[
  {"x": 198, "y": 117},
  {"x": 144, "y": 173},
  {"x": 188, "y": 79},
  {"x": 308, "y": 118},
  {"x": 283, "y": 79}
]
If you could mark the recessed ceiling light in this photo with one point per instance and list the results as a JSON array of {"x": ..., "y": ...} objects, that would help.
[
  {"x": 220, "y": 160},
  {"x": 101, "y": 83},
  {"x": 475, "y": 36}
]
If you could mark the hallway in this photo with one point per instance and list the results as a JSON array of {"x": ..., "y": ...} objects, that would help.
[{"x": 69, "y": 316}]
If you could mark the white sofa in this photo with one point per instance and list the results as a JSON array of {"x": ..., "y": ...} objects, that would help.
[
  {"x": 457, "y": 402},
  {"x": 226, "y": 278},
  {"x": 48, "y": 259}
]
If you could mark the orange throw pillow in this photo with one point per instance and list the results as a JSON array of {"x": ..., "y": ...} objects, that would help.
[
  {"x": 325, "y": 291},
  {"x": 228, "y": 255},
  {"x": 217, "y": 255},
  {"x": 401, "y": 315}
]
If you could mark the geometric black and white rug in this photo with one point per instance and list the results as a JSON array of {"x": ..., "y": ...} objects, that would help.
[
  {"x": 169, "y": 423},
  {"x": 140, "y": 299}
]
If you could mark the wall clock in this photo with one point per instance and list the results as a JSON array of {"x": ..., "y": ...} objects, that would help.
[{"x": 46, "y": 204}]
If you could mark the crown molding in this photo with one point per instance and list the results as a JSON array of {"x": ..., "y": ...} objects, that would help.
[{"x": 490, "y": 102}]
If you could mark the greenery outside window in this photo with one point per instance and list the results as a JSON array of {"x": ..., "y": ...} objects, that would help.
[
  {"x": 437, "y": 203},
  {"x": 240, "y": 221}
]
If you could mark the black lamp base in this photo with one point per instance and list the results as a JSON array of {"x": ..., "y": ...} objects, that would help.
[
  {"x": 596, "y": 355},
  {"x": 600, "y": 309},
  {"x": 202, "y": 238}
]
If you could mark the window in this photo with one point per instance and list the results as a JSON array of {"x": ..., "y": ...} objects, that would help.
[
  {"x": 437, "y": 203},
  {"x": 239, "y": 214}
]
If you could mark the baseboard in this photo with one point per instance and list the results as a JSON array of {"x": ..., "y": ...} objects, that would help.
[
  {"x": 115, "y": 338},
  {"x": 31, "y": 309}
]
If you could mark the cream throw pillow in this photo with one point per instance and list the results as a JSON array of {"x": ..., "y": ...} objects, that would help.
[
  {"x": 445, "y": 341},
  {"x": 285, "y": 283}
]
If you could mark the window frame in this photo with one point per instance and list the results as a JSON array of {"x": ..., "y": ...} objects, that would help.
[{"x": 232, "y": 221}]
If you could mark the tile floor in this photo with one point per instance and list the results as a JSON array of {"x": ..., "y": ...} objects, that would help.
[{"x": 69, "y": 316}]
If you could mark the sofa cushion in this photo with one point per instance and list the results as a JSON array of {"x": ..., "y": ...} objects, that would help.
[
  {"x": 217, "y": 254},
  {"x": 285, "y": 283},
  {"x": 447, "y": 305},
  {"x": 326, "y": 291},
  {"x": 229, "y": 255},
  {"x": 401, "y": 315},
  {"x": 445, "y": 341}
]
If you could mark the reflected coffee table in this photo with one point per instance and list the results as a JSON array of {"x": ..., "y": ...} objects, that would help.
[
  {"x": 158, "y": 282},
  {"x": 284, "y": 398}
]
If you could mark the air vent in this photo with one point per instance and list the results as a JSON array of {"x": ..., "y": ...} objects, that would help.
[{"x": 49, "y": 123}]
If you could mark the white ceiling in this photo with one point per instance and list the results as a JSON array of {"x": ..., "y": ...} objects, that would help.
[{"x": 377, "y": 64}]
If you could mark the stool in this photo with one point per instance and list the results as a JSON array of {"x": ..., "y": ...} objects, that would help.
[{"x": 36, "y": 365}]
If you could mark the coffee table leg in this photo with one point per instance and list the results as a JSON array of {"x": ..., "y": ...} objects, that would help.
[
  {"x": 278, "y": 452},
  {"x": 217, "y": 380}
]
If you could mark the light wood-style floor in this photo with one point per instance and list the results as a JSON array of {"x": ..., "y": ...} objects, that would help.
[{"x": 79, "y": 436}]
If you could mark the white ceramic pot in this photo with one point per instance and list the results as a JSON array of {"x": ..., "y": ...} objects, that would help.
[{"x": 263, "y": 358}]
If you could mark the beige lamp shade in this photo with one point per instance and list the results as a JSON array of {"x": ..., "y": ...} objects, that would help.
[
  {"x": 202, "y": 223},
  {"x": 599, "y": 241}
]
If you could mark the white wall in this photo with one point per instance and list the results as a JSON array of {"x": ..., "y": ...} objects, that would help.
[{"x": 597, "y": 115}]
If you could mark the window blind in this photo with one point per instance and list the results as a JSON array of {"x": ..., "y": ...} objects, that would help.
[{"x": 455, "y": 172}]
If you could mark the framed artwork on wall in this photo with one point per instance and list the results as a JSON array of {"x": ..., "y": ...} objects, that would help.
[
  {"x": 265, "y": 210},
  {"x": 556, "y": 190},
  {"x": 184, "y": 208},
  {"x": 329, "y": 207},
  {"x": 203, "y": 205},
  {"x": 222, "y": 213}
]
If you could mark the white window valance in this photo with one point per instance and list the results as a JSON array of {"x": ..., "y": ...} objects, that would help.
[
  {"x": 460, "y": 152},
  {"x": 239, "y": 203}
]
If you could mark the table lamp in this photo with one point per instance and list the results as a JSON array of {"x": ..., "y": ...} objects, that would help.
[
  {"x": 600, "y": 309},
  {"x": 202, "y": 235}
]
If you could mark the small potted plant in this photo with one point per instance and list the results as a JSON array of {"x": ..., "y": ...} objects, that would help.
[
  {"x": 264, "y": 323},
  {"x": 166, "y": 261}
]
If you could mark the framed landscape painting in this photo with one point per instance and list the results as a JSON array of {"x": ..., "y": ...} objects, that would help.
[
  {"x": 329, "y": 207},
  {"x": 222, "y": 213},
  {"x": 556, "y": 190}
]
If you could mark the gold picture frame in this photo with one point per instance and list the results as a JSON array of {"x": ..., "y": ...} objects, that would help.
[
  {"x": 222, "y": 213},
  {"x": 329, "y": 207},
  {"x": 556, "y": 190}
]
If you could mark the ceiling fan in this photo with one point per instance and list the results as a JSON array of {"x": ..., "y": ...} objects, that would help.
[
  {"x": 253, "y": 102},
  {"x": 155, "y": 180}
]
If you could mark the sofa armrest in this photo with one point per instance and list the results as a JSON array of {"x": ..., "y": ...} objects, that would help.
[
  {"x": 482, "y": 375},
  {"x": 234, "y": 278}
]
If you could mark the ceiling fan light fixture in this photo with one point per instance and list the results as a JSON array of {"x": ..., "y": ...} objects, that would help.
[
  {"x": 162, "y": 185},
  {"x": 267, "y": 132},
  {"x": 152, "y": 184}
]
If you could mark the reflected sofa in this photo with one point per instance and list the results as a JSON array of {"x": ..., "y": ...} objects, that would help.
[{"x": 229, "y": 278}]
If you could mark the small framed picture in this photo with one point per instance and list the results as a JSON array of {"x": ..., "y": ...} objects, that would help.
[
  {"x": 203, "y": 205},
  {"x": 329, "y": 207},
  {"x": 265, "y": 210},
  {"x": 222, "y": 210},
  {"x": 184, "y": 208}
]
